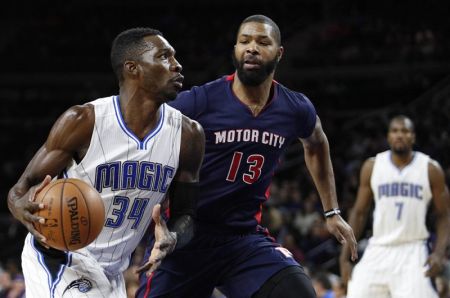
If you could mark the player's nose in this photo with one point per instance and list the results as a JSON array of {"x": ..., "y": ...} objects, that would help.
[
  {"x": 252, "y": 48},
  {"x": 176, "y": 66}
]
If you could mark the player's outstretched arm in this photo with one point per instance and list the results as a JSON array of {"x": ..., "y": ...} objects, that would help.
[
  {"x": 70, "y": 133},
  {"x": 441, "y": 199},
  {"x": 358, "y": 216},
  {"x": 183, "y": 198},
  {"x": 318, "y": 161}
]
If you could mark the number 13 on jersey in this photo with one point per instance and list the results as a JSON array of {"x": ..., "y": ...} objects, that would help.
[{"x": 254, "y": 162}]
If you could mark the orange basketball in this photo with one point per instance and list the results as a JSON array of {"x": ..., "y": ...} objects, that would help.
[{"x": 74, "y": 214}]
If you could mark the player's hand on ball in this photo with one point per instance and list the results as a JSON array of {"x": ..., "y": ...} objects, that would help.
[
  {"x": 25, "y": 207},
  {"x": 165, "y": 242},
  {"x": 344, "y": 233},
  {"x": 435, "y": 263}
]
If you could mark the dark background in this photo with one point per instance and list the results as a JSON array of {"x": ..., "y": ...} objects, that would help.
[{"x": 360, "y": 62}]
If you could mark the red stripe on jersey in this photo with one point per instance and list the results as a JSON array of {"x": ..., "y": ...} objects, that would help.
[
  {"x": 267, "y": 233},
  {"x": 167, "y": 212},
  {"x": 259, "y": 213},
  {"x": 267, "y": 194},
  {"x": 149, "y": 285},
  {"x": 230, "y": 77}
]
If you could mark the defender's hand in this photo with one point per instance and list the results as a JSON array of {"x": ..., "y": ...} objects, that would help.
[
  {"x": 24, "y": 208},
  {"x": 346, "y": 268},
  {"x": 435, "y": 263},
  {"x": 343, "y": 232},
  {"x": 165, "y": 242}
]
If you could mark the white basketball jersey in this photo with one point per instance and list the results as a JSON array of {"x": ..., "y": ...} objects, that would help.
[
  {"x": 131, "y": 175},
  {"x": 401, "y": 199}
]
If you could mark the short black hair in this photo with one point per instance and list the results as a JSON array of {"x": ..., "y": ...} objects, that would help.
[
  {"x": 127, "y": 46},
  {"x": 403, "y": 118},
  {"x": 259, "y": 18}
]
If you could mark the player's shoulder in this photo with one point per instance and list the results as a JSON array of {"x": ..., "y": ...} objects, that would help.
[
  {"x": 191, "y": 128},
  {"x": 73, "y": 127},
  {"x": 104, "y": 106},
  {"x": 192, "y": 138},
  {"x": 216, "y": 86},
  {"x": 291, "y": 94},
  {"x": 171, "y": 112},
  {"x": 381, "y": 159},
  {"x": 434, "y": 166},
  {"x": 108, "y": 100},
  {"x": 201, "y": 91},
  {"x": 430, "y": 162},
  {"x": 368, "y": 165},
  {"x": 79, "y": 113},
  {"x": 436, "y": 174},
  {"x": 218, "y": 83},
  {"x": 370, "y": 160},
  {"x": 294, "y": 99},
  {"x": 383, "y": 156}
]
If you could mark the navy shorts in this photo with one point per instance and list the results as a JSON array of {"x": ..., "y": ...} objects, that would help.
[{"x": 238, "y": 265}]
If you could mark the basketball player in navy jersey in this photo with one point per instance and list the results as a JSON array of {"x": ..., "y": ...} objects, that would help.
[
  {"x": 249, "y": 120},
  {"x": 134, "y": 149},
  {"x": 402, "y": 183}
]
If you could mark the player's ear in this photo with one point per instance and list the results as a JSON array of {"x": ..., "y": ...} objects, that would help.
[
  {"x": 280, "y": 53},
  {"x": 130, "y": 68}
]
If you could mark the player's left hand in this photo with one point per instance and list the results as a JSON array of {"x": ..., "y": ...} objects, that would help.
[
  {"x": 435, "y": 264},
  {"x": 165, "y": 242},
  {"x": 344, "y": 233}
]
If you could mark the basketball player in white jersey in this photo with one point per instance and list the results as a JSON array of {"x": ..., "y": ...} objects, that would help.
[
  {"x": 402, "y": 183},
  {"x": 134, "y": 149}
]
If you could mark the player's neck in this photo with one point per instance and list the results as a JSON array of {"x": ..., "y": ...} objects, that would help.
[
  {"x": 253, "y": 95},
  {"x": 139, "y": 112},
  {"x": 402, "y": 160}
]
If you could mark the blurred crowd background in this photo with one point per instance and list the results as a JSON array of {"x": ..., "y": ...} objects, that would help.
[{"x": 360, "y": 62}]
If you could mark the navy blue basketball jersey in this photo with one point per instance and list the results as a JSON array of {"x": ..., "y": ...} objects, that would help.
[{"x": 242, "y": 150}]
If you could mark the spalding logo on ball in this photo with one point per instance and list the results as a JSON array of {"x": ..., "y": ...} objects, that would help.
[{"x": 74, "y": 214}]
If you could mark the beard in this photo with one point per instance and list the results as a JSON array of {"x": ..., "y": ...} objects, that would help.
[
  {"x": 257, "y": 76},
  {"x": 401, "y": 150}
]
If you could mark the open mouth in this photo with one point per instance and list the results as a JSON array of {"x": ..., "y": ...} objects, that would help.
[{"x": 252, "y": 64}]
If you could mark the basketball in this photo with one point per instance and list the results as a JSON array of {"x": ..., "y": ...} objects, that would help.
[{"x": 74, "y": 214}]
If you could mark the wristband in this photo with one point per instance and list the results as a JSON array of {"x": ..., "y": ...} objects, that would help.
[{"x": 332, "y": 212}]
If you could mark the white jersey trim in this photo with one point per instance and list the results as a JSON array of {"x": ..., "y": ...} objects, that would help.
[
  {"x": 141, "y": 145},
  {"x": 51, "y": 283}
]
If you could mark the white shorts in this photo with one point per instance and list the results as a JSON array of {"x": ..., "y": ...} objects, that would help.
[
  {"x": 66, "y": 274},
  {"x": 392, "y": 271}
]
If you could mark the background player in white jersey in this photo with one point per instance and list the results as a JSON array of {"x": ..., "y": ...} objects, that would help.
[
  {"x": 402, "y": 183},
  {"x": 130, "y": 147}
]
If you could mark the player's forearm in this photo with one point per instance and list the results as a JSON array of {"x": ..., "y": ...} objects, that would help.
[
  {"x": 16, "y": 192},
  {"x": 442, "y": 228},
  {"x": 183, "y": 204},
  {"x": 317, "y": 158},
  {"x": 357, "y": 221},
  {"x": 183, "y": 226}
]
